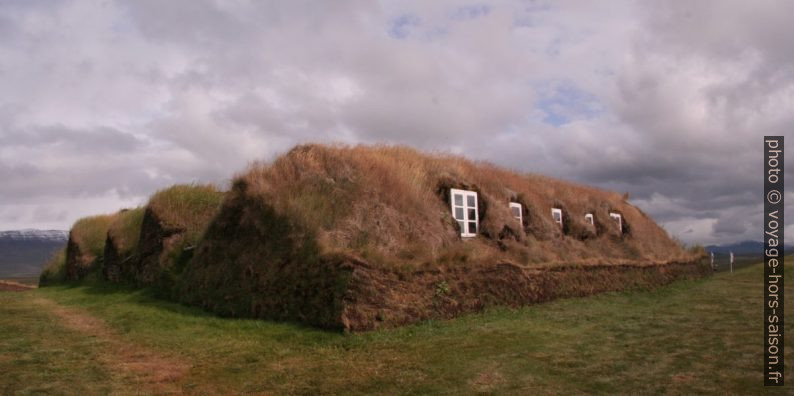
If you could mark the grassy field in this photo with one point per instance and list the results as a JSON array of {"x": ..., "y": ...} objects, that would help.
[{"x": 690, "y": 337}]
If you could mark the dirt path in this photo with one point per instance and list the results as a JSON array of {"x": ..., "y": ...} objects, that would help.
[
  {"x": 14, "y": 286},
  {"x": 152, "y": 373}
]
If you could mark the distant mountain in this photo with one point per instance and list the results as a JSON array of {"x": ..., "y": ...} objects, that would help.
[
  {"x": 24, "y": 252},
  {"x": 30, "y": 234},
  {"x": 746, "y": 248}
]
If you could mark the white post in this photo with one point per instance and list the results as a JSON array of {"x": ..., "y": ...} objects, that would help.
[
  {"x": 712, "y": 262},
  {"x": 731, "y": 262}
]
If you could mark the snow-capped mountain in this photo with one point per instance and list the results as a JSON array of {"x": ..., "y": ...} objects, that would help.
[
  {"x": 24, "y": 252},
  {"x": 35, "y": 235}
]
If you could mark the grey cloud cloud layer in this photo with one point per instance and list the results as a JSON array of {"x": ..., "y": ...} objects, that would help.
[{"x": 105, "y": 102}]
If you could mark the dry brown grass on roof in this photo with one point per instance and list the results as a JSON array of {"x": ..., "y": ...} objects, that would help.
[
  {"x": 388, "y": 204},
  {"x": 362, "y": 237}
]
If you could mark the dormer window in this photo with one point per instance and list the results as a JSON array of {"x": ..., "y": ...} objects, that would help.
[
  {"x": 556, "y": 214},
  {"x": 588, "y": 218},
  {"x": 464, "y": 210},
  {"x": 618, "y": 220},
  {"x": 515, "y": 210}
]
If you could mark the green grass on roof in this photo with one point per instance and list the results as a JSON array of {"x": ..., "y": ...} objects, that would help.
[
  {"x": 55, "y": 269},
  {"x": 89, "y": 233},
  {"x": 126, "y": 229},
  {"x": 187, "y": 206}
]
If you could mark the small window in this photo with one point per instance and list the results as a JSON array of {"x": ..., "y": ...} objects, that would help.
[
  {"x": 464, "y": 210},
  {"x": 515, "y": 210},
  {"x": 589, "y": 219},
  {"x": 618, "y": 220},
  {"x": 556, "y": 214}
]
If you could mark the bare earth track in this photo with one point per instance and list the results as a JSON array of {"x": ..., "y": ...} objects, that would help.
[
  {"x": 153, "y": 373},
  {"x": 14, "y": 286}
]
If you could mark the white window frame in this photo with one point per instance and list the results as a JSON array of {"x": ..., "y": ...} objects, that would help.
[
  {"x": 464, "y": 231},
  {"x": 557, "y": 210},
  {"x": 589, "y": 218},
  {"x": 619, "y": 218},
  {"x": 520, "y": 216}
]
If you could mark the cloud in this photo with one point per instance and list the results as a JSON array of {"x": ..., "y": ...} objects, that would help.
[
  {"x": 105, "y": 102},
  {"x": 102, "y": 140}
]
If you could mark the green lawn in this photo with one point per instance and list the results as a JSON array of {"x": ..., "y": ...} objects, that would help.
[{"x": 690, "y": 337}]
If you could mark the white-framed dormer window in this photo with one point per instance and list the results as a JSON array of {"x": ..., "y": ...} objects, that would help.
[
  {"x": 556, "y": 214},
  {"x": 464, "y": 210},
  {"x": 515, "y": 210},
  {"x": 618, "y": 220},
  {"x": 588, "y": 218}
]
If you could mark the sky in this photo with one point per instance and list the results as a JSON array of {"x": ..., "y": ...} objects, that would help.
[{"x": 102, "y": 103}]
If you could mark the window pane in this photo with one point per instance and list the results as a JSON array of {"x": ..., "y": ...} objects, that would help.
[
  {"x": 472, "y": 214},
  {"x": 470, "y": 201},
  {"x": 556, "y": 216},
  {"x": 459, "y": 213},
  {"x": 472, "y": 227},
  {"x": 458, "y": 199},
  {"x": 462, "y": 226},
  {"x": 516, "y": 211}
]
